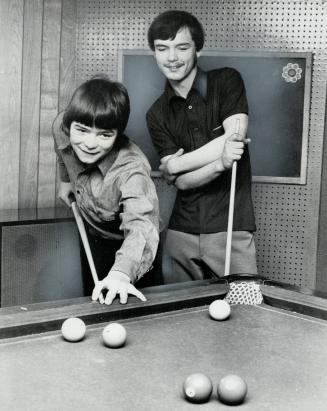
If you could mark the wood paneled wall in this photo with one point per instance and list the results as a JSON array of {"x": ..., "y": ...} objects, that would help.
[{"x": 37, "y": 76}]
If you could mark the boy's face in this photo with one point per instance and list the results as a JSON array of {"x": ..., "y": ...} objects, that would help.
[
  {"x": 176, "y": 58},
  {"x": 90, "y": 143}
]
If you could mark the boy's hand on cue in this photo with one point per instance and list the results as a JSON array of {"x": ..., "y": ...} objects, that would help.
[
  {"x": 233, "y": 149},
  {"x": 116, "y": 283},
  {"x": 65, "y": 192}
]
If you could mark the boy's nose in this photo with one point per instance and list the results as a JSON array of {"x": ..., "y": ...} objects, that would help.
[
  {"x": 90, "y": 140},
  {"x": 172, "y": 55}
]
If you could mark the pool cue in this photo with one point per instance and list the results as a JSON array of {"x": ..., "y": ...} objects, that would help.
[
  {"x": 85, "y": 241},
  {"x": 238, "y": 292},
  {"x": 231, "y": 210}
]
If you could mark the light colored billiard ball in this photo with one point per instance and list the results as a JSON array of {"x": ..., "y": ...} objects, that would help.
[
  {"x": 114, "y": 335},
  {"x": 73, "y": 329},
  {"x": 219, "y": 310},
  {"x": 232, "y": 389},
  {"x": 197, "y": 388}
]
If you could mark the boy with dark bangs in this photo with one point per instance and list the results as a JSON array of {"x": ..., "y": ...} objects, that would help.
[{"x": 109, "y": 177}]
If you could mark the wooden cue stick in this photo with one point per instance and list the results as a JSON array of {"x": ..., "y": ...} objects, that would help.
[
  {"x": 231, "y": 210},
  {"x": 85, "y": 241}
]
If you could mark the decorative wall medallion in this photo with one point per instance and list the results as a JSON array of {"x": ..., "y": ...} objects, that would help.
[{"x": 292, "y": 73}]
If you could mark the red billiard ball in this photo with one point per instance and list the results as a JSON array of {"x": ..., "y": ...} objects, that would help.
[
  {"x": 197, "y": 388},
  {"x": 114, "y": 335},
  {"x": 232, "y": 389},
  {"x": 219, "y": 310},
  {"x": 73, "y": 329}
]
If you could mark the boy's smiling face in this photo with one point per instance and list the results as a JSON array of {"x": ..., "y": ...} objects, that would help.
[
  {"x": 176, "y": 58},
  {"x": 90, "y": 143}
]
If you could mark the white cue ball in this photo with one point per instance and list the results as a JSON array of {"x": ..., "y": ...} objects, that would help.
[
  {"x": 73, "y": 329},
  {"x": 114, "y": 335},
  {"x": 219, "y": 310}
]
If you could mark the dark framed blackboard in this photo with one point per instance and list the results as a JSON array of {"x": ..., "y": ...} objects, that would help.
[{"x": 278, "y": 91}]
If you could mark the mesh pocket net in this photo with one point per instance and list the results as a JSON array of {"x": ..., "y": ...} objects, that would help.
[{"x": 244, "y": 292}]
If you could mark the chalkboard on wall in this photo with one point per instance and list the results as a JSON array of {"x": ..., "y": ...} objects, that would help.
[{"x": 278, "y": 92}]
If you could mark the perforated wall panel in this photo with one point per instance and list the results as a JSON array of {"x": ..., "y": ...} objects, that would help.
[{"x": 287, "y": 216}]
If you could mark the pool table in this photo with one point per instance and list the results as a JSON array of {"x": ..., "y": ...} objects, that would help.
[{"x": 278, "y": 347}]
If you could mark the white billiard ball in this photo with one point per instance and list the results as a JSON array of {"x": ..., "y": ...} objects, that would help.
[
  {"x": 114, "y": 335},
  {"x": 219, "y": 310},
  {"x": 73, "y": 329}
]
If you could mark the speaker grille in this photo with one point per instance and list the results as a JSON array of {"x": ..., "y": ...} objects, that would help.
[{"x": 40, "y": 262}]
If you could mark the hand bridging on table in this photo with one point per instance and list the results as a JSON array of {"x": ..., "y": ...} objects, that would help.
[{"x": 116, "y": 283}]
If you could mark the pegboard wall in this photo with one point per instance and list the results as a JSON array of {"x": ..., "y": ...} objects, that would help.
[{"x": 287, "y": 215}]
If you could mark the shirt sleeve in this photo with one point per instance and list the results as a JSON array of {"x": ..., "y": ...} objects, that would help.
[
  {"x": 162, "y": 140},
  {"x": 140, "y": 225},
  {"x": 63, "y": 174},
  {"x": 232, "y": 95}
]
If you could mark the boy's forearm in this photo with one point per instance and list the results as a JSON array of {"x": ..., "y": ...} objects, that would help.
[
  {"x": 236, "y": 123},
  {"x": 198, "y": 158},
  {"x": 201, "y": 176}
]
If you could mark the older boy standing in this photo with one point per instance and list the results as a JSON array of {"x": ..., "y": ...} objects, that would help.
[{"x": 197, "y": 156}]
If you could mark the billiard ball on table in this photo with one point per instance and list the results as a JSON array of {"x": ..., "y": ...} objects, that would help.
[
  {"x": 114, "y": 335},
  {"x": 73, "y": 329},
  {"x": 232, "y": 389},
  {"x": 197, "y": 388},
  {"x": 219, "y": 310}
]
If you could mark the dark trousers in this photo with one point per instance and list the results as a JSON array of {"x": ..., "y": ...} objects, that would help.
[{"x": 104, "y": 253}]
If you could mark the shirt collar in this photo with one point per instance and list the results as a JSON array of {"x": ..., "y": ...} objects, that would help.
[
  {"x": 103, "y": 164},
  {"x": 107, "y": 161}
]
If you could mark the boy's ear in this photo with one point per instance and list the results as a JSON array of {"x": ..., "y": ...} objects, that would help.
[{"x": 198, "y": 53}]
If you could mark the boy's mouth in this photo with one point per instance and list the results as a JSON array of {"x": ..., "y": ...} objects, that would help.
[
  {"x": 173, "y": 67},
  {"x": 90, "y": 153}
]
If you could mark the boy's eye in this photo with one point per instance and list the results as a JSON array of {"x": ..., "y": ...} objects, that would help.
[
  {"x": 106, "y": 135},
  {"x": 81, "y": 129}
]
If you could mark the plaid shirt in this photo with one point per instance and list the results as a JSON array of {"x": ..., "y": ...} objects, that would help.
[{"x": 117, "y": 198}]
